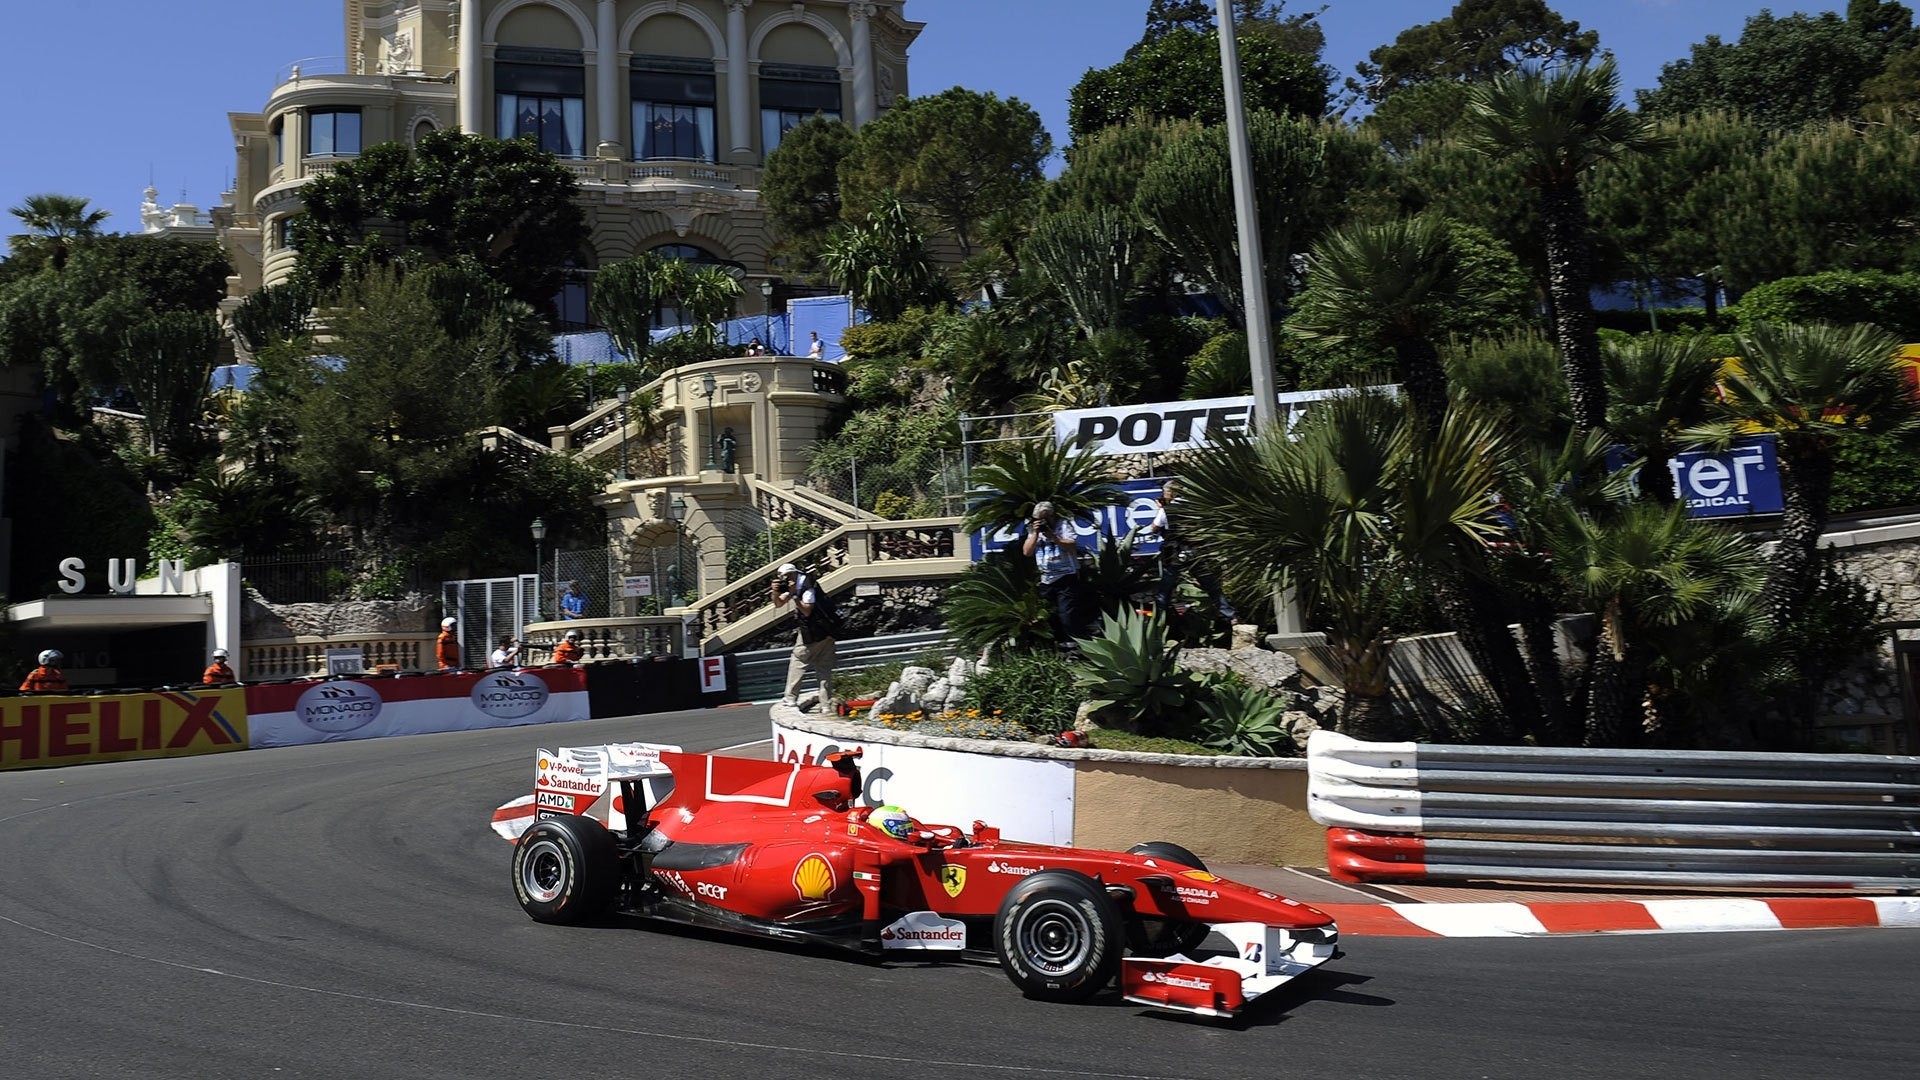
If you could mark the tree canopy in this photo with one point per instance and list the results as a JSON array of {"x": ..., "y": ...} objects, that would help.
[
  {"x": 504, "y": 204},
  {"x": 1176, "y": 76},
  {"x": 1785, "y": 70},
  {"x": 1477, "y": 40},
  {"x": 959, "y": 156}
]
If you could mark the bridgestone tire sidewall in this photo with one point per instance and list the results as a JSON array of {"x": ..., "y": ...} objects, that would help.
[
  {"x": 575, "y": 896},
  {"x": 1097, "y": 919}
]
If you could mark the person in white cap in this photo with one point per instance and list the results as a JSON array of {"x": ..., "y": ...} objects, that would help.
[
  {"x": 818, "y": 622},
  {"x": 218, "y": 673},
  {"x": 447, "y": 648}
]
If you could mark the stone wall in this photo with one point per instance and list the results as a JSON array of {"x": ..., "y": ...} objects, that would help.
[
  {"x": 1871, "y": 687},
  {"x": 262, "y": 620}
]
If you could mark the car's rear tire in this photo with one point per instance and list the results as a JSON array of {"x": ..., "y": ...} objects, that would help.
[
  {"x": 565, "y": 869},
  {"x": 1164, "y": 937},
  {"x": 1058, "y": 936}
]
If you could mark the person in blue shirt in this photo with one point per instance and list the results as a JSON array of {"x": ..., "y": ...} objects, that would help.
[
  {"x": 573, "y": 605},
  {"x": 1055, "y": 548}
]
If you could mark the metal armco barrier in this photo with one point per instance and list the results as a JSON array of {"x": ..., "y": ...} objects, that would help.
[
  {"x": 763, "y": 672},
  {"x": 1412, "y": 812}
]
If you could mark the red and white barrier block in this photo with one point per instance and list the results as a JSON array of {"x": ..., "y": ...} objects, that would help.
[{"x": 1689, "y": 915}]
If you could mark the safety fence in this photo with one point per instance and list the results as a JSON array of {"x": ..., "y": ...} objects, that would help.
[
  {"x": 763, "y": 672},
  {"x": 1408, "y": 812}
]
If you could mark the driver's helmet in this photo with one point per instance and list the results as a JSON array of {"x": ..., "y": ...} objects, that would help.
[
  {"x": 50, "y": 657},
  {"x": 891, "y": 820}
]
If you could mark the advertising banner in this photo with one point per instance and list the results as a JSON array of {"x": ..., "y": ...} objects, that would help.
[
  {"x": 1743, "y": 480},
  {"x": 1175, "y": 425},
  {"x": 1111, "y": 523},
  {"x": 1028, "y": 799},
  {"x": 292, "y": 714},
  {"x": 57, "y": 730}
]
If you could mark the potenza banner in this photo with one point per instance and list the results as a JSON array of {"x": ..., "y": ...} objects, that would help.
[
  {"x": 59, "y": 730},
  {"x": 1174, "y": 425},
  {"x": 335, "y": 710},
  {"x": 1029, "y": 799}
]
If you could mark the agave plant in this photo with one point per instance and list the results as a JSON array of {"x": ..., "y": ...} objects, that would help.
[
  {"x": 1132, "y": 673},
  {"x": 1243, "y": 720}
]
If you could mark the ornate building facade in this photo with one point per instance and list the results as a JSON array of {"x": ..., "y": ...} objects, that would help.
[{"x": 665, "y": 109}]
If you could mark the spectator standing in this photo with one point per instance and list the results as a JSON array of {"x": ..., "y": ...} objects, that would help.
[
  {"x": 568, "y": 651},
  {"x": 1174, "y": 554},
  {"x": 817, "y": 350},
  {"x": 218, "y": 673},
  {"x": 573, "y": 605},
  {"x": 818, "y": 624},
  {"x": 446, "y": 649},
  {"x": 506, "y": 654},
  {"x": 1055, "y": 548},
  {"x": 48, "y": 675}
]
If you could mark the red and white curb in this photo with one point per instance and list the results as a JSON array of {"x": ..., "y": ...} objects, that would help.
[{"x": 1622, "y": 916}]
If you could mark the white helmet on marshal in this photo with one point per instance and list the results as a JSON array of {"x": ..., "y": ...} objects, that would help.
[{"x": 50, "y": 656}]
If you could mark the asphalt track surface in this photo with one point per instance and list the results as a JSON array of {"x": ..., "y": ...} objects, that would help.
[{"x": 345, "y": 911}]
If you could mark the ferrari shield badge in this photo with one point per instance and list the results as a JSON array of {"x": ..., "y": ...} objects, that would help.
[{"x": 953, "y": 879}]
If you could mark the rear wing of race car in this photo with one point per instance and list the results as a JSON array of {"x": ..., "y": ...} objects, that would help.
[
  {"x": 1264, "y": 958},
  {"x": 586, "y": 780}
]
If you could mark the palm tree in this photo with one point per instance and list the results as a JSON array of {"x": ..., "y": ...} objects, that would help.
[
  {"x": 1658, "y": 386},
  {"x": 1559, "y": 125},
  {"x": 1647, "y": 571},
  {"x": 1393, "y": 284},
  {"x": 1812, "y": 385},
  {"x": 709, "y": 293},
  {"x": 56, "y": 223},
  {"x": 1350, "y": 516},
  {"x": 1005, "y": 488}
]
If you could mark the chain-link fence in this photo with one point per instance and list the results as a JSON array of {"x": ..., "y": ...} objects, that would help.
[
  {"x": 934, "y": 486},
  {"x": 327, "y": 576},
  {"x": 593, "y": 575}
]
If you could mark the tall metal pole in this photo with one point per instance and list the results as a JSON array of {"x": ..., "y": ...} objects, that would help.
[{"x": 1253, "y": 281}]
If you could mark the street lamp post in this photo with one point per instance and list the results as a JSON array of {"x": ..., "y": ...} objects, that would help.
[
  {"x": 766, "y": 311},
  {"x": 709, "y": 384},
  {"x": 539, "y": 530},
  {"x": 624, "y": 394},
  {"x": 679, "y": 511}
]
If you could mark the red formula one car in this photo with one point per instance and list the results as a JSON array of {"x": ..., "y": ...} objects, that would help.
[{"x": 785, "y": 851}]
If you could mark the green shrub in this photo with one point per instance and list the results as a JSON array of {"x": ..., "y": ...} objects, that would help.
[
  {"x": 1243, "y": 720},
  {"x": 867, "y": 682},
  {"x": 996, "y": 604},
  {"x": 1032, "y": 689},
  {"x": 1132, "y": 674},
  {"x": 1114, "y": 739},
  {"x": 1875, "y": 472},
  {"x": 1838, "y": 296}
]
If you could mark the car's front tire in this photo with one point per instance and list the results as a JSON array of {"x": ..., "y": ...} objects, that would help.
[
  {"x": 1164, "y": 937},
  {"x": 565, "y": 869},
  {"x": 1058, "y": 936}
]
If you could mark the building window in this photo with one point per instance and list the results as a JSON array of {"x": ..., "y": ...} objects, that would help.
[
  {"x": 790, "y": 94},
  {"x": 277, "y": 140},
  {"x": 542, "y": 101},
  {"x": 570, "y": 311},
  {"x": 283, "y": 232},
  {"x": 333, "y": 132},
  {"x": 672, "y": 108}
]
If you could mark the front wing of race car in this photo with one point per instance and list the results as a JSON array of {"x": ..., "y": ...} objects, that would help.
[{"x": 1264, "y": 957}]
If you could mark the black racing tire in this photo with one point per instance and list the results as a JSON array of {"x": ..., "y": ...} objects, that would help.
[
  {"x": 565, "y": 870},
  {"x": 1164, "y": 937},
  {"x": 1058, "y": 936}
]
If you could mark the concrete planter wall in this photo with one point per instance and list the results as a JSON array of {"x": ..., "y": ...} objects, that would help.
[{"x": 1221, "y": 808}]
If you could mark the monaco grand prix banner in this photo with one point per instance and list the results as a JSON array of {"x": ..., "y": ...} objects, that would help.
[
  {"x": 289, "y": 714},
  {"x": 54, "y": 729}
]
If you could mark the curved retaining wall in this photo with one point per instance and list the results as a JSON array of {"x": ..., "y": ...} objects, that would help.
[{"x": 1251, "y": 810}]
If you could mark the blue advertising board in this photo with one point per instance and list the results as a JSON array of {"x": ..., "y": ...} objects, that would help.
[
  {"x": 1111, "y": 523},
  {"x": 1745, "y": 479}
]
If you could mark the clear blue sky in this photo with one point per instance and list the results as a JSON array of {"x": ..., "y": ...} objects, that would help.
[{"x": 107, "y": 93}]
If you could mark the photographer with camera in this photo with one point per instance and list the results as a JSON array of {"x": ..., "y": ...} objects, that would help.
[
  {"x": 1055, "y": 548},
  {"x": 819, "y": 624}
]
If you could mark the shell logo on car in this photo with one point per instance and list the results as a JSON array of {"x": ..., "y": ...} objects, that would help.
[{"x": 813, "y": 878}]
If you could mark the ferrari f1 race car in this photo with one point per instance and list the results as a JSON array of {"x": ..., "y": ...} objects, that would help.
[{"x": 784, "y": 850}]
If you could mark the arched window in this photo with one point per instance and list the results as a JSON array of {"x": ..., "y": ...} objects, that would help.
[
  {"x": 789, "y": 94},
  {"x": 673, "y": 100},
  {"x": 541, "y": 94}
]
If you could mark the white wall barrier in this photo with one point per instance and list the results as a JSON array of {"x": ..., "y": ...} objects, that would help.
[
  {"x": 333, "y": 710},
  {"x": 1027, "y": 798},
  {"x": 1415, "y": 812}
]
